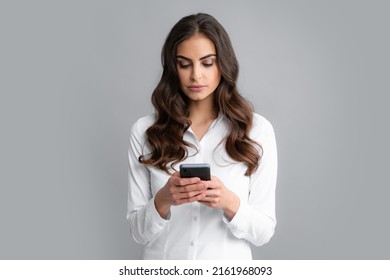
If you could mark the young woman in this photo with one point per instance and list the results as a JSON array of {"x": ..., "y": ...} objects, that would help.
[{"x": 201, "y": 118}]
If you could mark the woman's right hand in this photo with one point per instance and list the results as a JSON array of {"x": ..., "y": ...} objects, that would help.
[{"x": 178, "y": 191}]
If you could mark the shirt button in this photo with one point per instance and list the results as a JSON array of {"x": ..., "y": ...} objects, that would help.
[
  {"x": 195, "y": 218},
  {"x": 192, "y": 243}
]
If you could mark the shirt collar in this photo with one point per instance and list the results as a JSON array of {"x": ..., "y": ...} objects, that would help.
[{"x": 217, "y": 120}]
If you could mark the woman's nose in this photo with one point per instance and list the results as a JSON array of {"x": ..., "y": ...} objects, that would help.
[{"x": 196, "y": 73}]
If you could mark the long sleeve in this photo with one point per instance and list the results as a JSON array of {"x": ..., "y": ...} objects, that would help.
[
  {"x": 145, "y": 222},
  {"x": 255, "y": 219}
]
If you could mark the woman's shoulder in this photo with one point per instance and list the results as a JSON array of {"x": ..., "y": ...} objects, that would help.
[
  {"x": 261, "y": 125},
  {"x": 260, "y": 121},
  {"x": 142, "y": 124}
]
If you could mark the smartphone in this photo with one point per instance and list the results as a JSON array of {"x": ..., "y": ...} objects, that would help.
[{"x": 200, "y": 170}]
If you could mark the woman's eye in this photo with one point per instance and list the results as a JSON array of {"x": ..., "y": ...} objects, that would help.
[
  {"x": 208, "y": 63},
  {"x": 184, "y": 65}
]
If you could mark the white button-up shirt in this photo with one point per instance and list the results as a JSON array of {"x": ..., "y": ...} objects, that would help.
[{"x": 193, "y": 230}]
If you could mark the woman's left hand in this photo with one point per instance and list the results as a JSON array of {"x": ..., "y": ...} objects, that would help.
[{"x": 218, "y": 196}]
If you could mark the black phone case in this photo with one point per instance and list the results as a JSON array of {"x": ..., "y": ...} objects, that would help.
[{"x": 203, "y": 172}]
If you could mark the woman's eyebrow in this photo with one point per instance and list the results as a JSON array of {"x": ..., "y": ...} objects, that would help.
[{"x": 189, "y": 59}]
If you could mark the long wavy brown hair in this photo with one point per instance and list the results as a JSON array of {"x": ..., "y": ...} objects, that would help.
[{"x": 165, "y": 136}]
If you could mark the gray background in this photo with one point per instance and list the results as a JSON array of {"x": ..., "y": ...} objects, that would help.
[{"x": 76, "y": 74}]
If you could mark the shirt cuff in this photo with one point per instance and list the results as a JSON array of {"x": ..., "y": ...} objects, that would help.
[
  {"x": 240, "y": 219},
  {"x": 153, "y": 217}
]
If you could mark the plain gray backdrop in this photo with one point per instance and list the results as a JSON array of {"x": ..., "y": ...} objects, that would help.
[{"x": 75, "y": 75}]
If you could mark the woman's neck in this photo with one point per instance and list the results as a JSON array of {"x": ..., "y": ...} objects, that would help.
[{"x": 202, "y": 112}]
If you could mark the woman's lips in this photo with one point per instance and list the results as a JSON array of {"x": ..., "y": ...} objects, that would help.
[{"x": 196, "y": 87}]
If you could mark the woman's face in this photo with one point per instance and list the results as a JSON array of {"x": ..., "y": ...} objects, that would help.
[{"x": 197, "y": 67}]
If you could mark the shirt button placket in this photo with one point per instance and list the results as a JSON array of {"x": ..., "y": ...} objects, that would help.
[{"x": 195, "y": 232}]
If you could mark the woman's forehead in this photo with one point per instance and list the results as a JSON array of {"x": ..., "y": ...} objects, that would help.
[{"x": 196, "y": 47}]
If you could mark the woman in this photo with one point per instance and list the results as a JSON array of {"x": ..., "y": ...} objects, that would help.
[{"x": 201, "y": 118}]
